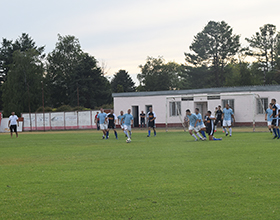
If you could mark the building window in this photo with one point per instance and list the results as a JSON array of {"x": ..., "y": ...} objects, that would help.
[
  {"x": 262, "y": 105},
  {"x": 230, "y": 102},
  {"x": 174, "y": 108},
  {"x": 187, "y": 99}
]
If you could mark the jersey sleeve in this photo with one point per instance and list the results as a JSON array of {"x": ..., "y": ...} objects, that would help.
[{"x": 154, "y": 115}]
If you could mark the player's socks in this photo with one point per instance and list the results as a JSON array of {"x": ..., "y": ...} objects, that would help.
[
  {"x": 203, "y": 134},
  {"x": 225, "y": 130},
  {"x": 116, "y": 134},
  {"x": 194, "y": 136},
  {"x": 270, "y": 130},
  {"x": 230, "y": 131},
  {"x": 198, "y": 135},
  {"x": 107, "y": 134},
  {"x": 274, "y": 132},
  {"x": 278, "y": 133},
  {"x": 103, "y": 136},
  {"x": 126, "y": 133},
  {"x": 155, "y": 133},
  {"x": 149, "y": 133},
  {"x": 130, "y": 133},
  {"x": 217, "y": 139}
]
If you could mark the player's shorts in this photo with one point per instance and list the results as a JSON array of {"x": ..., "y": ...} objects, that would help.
[
  {"x": 191, "y": 128},
  {"x": 199, "y": 127},
  {"x": 210, "y": 131},
  {"x": 127, "y": 127},
  {"x": 226, "y": 123},
  {"x": 113, "y": 126},
  {"x": 13, "y": 128},
  {"x": 151, "y": 124},
  {"x": 103, "y": 126},
  {"x": 275, "y": 122},
  {"x": 269, "y": 123}
]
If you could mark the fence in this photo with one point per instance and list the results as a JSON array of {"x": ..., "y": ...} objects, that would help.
[{"x": 59, "y": 120}]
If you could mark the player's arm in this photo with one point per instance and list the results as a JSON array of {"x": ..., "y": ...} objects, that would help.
[
  {"x": 17, "y": 122},
  {"x": 223, "y": 116},
  {"x": 265, "y": 117},
  {"x": 232, "y": 115},
  {"x": 197, "y": 120},
  {"x": 9, "y": 123}
]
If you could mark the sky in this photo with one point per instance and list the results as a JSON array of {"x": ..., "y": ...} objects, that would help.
[{"x": 121, "y": 34}]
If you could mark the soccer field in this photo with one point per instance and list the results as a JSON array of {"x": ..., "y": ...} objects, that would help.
[{"x": 77, "y": 175}]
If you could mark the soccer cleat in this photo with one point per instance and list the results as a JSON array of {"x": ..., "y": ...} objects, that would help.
[
  {"x": 205, "y": 139},
  {"x": 196, "y": 139},
  {"x": 103, "y": 137},
  {"x": 278, "y": 138},
  {"x": 226, "y": 134},
  {"x": 230, "y": 135},
  {"x": 274, "y": 137},
  {"x": 201, "y": 139},
  {"x": 148, "y": 135}
]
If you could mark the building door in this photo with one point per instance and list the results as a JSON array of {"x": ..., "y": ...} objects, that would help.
[
  {"x": 135, "y": 114},
  {"x": 202, "y": 108}
]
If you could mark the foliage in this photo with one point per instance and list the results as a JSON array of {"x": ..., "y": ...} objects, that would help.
[
  {"x": 122, "y": 82},
  {"x": 214, "y": 47},
  {"x": 45, "y": 109},
  {"x": 157, "y": 75},
  {"x": 64, "y": 108},
  {"x": 22, "y": 89},
  {"x": 73, "y": 77},
  {"x": 77, "y": 175},
  {"x": 264, "y": 46}
]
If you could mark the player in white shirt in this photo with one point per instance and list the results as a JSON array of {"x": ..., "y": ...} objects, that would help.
[{"x": 13, "y": 123}]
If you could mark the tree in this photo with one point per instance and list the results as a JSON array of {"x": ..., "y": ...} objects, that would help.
[
  {"x": 122, "y": 82},
  {"x": 22, "y": 89},
  {"x": 214, "y": 47},
  {"x": 156, "y": 75},
  {"x": 264, "y": 47},
  {"x": 73, "y": 76}
]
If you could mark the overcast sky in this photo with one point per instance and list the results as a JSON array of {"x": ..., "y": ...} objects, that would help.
[{"x": 122, "y": 33}]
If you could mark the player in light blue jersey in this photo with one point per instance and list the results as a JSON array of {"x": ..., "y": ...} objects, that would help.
[
  {"x": 200, "y": 127},
  {"x": 226, "y": 117},
  {"x": 193, "y": 120},
  {"x": 269, "y": 117},
  {"x": 127, "y": 120},
  {"x": 102, "y": 116},
  {"x": 120, "y": 117}
]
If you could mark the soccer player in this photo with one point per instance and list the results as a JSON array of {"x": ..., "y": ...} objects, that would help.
[
  {"x": 120, "y": 117},
  {"x": 275, "y": 120},
  {"x": 151, "y": 117},
  {"x": 218, "y": 114},
  {"x": 102, "y": 116},
  {"x": 226, "y": 117},
  {"x": 193, "y": 120},
  {"x": 200, "y": 127},
  {"x": 13, "y": 123},
  {"x": 127, "y": 120},
  {"x": 210, "y": 126},
  {"x": 96, "y": 120},
  {"x": 268, "y": 116},
  {"x": 142, "y": 119},
  {"x": 112, "y": 123}
]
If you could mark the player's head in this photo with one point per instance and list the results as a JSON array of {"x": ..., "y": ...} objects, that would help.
[
  {"x": 208, "y": 113},
  {"x": 97, "y": 113},
  {"x": 270, "y": 105},
  {"x": 13, "y": 113},
  {"x": 121, "y": 112},
  {"x": 227, "y": 106},
  {"x": 273, "y": 101},
  {"x": 188, "y": 112},
  {"x": 101, "y": 110},
  {"x": 196, "y": 110},
  {"x": 150, "y": 109},
  {"x": 112, "y": 111},
  {"x": 142, "y": 112},
  {"x": 219, "y": 107},
  {"x": 128, "y": 111}
]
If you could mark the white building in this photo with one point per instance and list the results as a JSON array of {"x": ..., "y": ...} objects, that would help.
[{"x": 249, "y": 103}]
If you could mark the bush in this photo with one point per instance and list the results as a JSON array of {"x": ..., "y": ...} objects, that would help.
[
  {"x": 46, "y": 109},
  {"x": 105, "y": 106},
  {"x": 64, "y": 108},
  {"x": 80, "y": 108}
]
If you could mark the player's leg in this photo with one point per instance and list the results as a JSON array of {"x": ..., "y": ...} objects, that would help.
[
  {"x": 191, "y": 128},
  {"x": 277, "y": 128},
  {"x": 196, "y": 131},
  {"x": 17, "y": 132},
  {"x": 274, "y": 128},
  {"x": 149, "y": 129},
  {"x": 125, "y": 131},
  {"x": 202, "y": 130},
  {"x": 11, "y": 130},
  {"x": 155, "y": 133},
  {"x": 269, "y": 126},
  {"x": 116, "y": 134}
]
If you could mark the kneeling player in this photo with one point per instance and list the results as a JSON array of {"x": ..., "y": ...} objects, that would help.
[
  {"x": 193, "y": 120},
  {"x": 210, "y": 127},
  {"x": 112, "y": 123}
]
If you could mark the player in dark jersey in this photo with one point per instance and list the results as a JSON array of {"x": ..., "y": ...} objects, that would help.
[
  {"x": 275, "y": 120},
  {"x": 151, "y": 117},
  {"x": 112, "y": 123},
  {"x": 210, "y": 127},
  {"x": 218, "y": 113}
]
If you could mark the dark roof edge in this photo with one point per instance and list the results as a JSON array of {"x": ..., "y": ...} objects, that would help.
[{"x": 198, "y": 91}]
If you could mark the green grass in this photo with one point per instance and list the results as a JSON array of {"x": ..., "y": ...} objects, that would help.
[{"x": 77, "y": 175}]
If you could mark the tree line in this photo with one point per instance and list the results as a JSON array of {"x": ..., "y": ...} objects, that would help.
[{"x": 68, "y": 76}]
